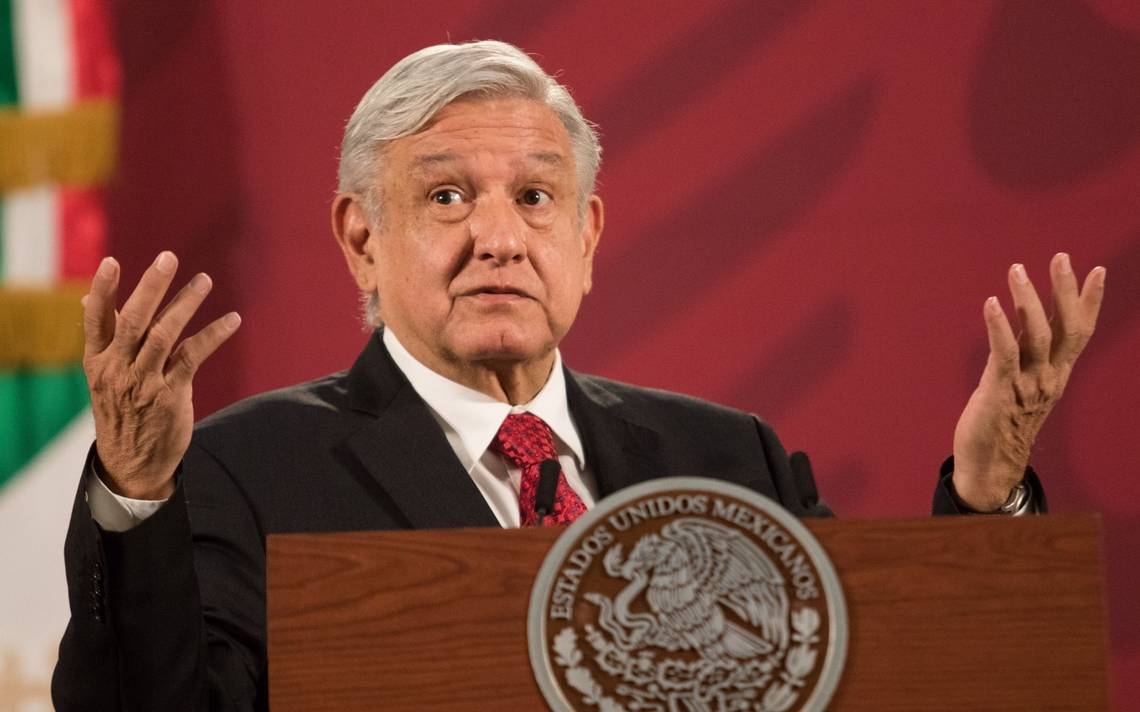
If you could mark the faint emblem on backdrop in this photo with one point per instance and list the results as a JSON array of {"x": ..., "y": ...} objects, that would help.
[{"x": 687, "y": 595}]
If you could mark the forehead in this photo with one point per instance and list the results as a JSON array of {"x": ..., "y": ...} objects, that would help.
[{"x": 517, "y": 130}]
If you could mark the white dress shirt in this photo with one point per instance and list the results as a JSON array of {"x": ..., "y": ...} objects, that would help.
[{"x": 469, "y": 419}]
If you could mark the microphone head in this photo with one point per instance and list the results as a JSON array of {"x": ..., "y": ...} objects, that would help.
[{"x": 805, "y": 479}]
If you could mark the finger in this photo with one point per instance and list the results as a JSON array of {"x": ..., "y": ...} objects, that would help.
[
  {"x": 137, "y": 312},
  {"x": 168, "y": 325},
  {"x": 192, "y": 352},
  {"x": 99, "y": 308},
  {"x": 1005, "y": 355},
  {"x": 1070, "y": 332},
  {"x": 1036, "y": 337},
  {"x": 1092, "y": 296}
]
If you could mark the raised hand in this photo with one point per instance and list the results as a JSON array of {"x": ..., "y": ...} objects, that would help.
[
  {"x": 1023, "y": 378},
  {"x": 140, "y": 376}
]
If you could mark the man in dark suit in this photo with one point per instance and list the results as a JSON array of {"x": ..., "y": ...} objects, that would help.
[{"x": 467, "y": 216}]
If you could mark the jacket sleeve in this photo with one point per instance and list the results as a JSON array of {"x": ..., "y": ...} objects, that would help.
[{"x": 166, "y": 615}]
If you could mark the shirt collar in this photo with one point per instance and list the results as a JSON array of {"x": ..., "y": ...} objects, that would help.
[{"x": 475, "y": 417}]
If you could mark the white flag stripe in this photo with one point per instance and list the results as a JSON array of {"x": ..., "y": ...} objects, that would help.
[
  {"x": 31, "y": 237},
  {"x": 35, "y": 507},
  {"x": 44, "y": 53}
]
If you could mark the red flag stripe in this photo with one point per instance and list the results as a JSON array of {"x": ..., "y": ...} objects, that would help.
[
  {"x": 83, "y": 224},
  {"x": 81, "y": 211},
  {"x": 97, "y": 72}
]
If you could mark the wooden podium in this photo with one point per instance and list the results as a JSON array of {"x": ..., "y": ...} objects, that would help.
[{"x": 945, "y": 613}]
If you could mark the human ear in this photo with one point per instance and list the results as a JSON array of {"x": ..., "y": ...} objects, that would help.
[
  {"x": 353, "y": 233},
  {"x": 592, "y": 223}
]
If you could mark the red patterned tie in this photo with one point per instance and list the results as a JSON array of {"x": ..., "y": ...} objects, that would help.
[{"x": 526, "y": 440}]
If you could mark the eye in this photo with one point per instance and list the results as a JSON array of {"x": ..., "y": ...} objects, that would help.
[
  {"x": 535, "y": 197},
  {"x": 447, "y": 196}
]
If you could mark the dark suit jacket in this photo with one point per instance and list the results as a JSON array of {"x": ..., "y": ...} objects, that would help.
[{"x": 171, "y": 614}]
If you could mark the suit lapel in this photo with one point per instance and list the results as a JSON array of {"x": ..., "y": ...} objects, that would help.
[
  {"x": 619, "y": 451},
  {"x": 405, "y": 450},
  {"x": 407, "y": 454}
]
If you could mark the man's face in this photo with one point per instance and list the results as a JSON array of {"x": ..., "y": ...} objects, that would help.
[{"x": 481, "y": 257}]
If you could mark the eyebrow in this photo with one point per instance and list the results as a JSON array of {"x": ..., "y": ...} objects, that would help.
[
  {"x": 426, "y": 161},
  {"x": 548, "y": 157}
]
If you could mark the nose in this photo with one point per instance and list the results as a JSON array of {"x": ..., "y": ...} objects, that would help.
[{"x": 497, "y": 231}]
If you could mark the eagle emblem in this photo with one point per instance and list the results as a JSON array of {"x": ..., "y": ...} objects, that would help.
[{"x": 705, "y": 587}]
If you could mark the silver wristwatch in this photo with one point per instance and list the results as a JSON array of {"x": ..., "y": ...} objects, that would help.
[{"x": 1019, "y": 502}]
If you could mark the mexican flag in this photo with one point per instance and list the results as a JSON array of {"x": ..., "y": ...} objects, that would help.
[{"x": 59, "y": 88}]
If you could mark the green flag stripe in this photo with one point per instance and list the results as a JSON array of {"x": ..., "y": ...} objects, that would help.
[
  {"x": 34, "y": 407},
  {"x": 9, "y": 87}
]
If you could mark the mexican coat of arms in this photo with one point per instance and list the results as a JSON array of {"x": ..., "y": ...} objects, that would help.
[{"x": 687, "y": 595}]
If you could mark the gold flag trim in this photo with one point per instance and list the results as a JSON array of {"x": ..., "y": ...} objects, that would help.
[
  {"x": 41, "y": 327},
  {"x": 75, "y": 147}
]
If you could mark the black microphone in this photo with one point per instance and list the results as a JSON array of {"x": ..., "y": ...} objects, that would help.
[
  {"x": 548, "y": 471},
  {"x": 805, "y": 479}
]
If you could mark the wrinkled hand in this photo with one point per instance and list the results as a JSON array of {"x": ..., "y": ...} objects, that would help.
[
  {"x": 140, "y": 377},
  {"x": 1023, "y": 378}
]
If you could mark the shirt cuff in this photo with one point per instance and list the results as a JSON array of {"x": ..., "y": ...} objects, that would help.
[{"x": 113, "y": 512}]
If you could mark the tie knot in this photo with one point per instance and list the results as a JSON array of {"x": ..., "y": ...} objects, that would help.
[{"x": 524, "y": 439}]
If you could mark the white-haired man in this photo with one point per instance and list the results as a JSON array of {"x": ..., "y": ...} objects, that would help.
[{"x": 467, "y": 216}]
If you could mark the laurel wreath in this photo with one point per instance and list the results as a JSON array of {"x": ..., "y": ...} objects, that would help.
[
  {"x": 799, "y": 662},
  {"x": 779, "y": 697},
  {"x": 568, "y": 656}
]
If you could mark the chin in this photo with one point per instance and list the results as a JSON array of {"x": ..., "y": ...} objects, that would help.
[{"x": 502, "y": 344}]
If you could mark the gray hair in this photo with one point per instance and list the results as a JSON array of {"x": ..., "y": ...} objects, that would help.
[{"x": 409, "y": 94}]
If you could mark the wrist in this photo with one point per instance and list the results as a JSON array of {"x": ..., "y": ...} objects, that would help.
[
  {"x": 138, "y": 488},
  {"x": 1010, "y": 500},
  {"x": 984, "y": 487}
]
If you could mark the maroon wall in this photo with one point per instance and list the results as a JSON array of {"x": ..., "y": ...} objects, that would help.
[{"x": 808, "y": 203}]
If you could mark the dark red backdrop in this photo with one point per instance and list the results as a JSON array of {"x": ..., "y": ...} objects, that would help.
[{"x": 808, "y": 203}]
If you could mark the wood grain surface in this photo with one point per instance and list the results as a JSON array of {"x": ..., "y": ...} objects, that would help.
[{"x": 951, "y": 613}]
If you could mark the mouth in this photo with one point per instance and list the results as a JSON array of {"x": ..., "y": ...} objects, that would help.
[
  {"x": 494, "y": 295},
  {"x": 495, "y": 292}
]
